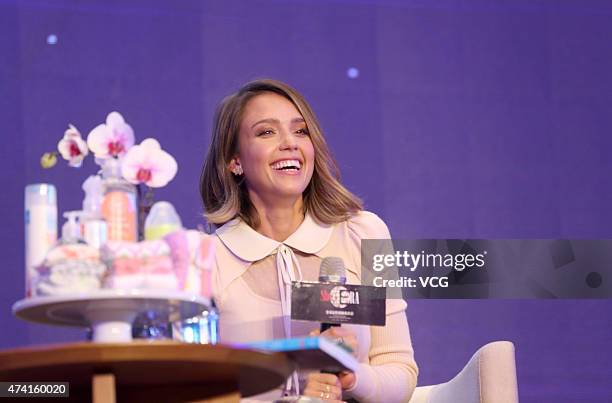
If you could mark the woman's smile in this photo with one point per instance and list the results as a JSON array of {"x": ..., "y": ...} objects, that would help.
[{"x": 287, "y": 167}]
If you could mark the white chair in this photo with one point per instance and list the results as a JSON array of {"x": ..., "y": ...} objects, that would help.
[{"x": 489, "y": 377}]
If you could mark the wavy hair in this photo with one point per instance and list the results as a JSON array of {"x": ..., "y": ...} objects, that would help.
[{"x": 225, "y": 196}]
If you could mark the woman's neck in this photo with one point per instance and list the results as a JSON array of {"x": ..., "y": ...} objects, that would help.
[{"x": 278, "y": 221}]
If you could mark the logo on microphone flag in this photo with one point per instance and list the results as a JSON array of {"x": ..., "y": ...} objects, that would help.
[
  {"x": 325, "y": 295},
  {"x": 333, "y": 303}
]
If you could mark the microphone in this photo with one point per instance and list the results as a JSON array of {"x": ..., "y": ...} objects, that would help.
[
  {"x": 332, "y": 271},
  {"x": 332, "y": 300}
]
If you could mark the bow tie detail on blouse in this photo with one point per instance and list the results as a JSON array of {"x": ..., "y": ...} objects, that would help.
[
  {"x": 251, "y": 246},
  {"x": 288, "y": 270}
]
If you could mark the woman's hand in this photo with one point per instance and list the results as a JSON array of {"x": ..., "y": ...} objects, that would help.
[
  {"x": 340, "y": 335},
  {"x": 323, "y": 386},
  {"x": 346, "y": 336}
]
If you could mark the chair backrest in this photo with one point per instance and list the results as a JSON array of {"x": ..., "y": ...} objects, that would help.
[{"x": 489, "y": 376}]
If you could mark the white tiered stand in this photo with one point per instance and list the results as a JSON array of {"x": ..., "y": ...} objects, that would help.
[{"x": 109, "y": 313}]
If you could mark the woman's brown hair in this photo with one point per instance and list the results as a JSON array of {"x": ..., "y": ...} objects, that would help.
[{"x": 225, "y": 196}]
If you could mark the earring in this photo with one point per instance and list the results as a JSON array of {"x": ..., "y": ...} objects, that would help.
[{"x": 236, "y": 169}]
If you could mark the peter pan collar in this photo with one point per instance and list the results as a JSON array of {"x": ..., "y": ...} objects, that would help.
[{"x": 248, "y": 244}]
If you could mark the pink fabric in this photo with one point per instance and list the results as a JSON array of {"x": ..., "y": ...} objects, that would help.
[
  {"x": 204, "y": 259},
  {"x": 179, "y": 250},
  {"x": 137, "y": 265},
  {"x": 136, "y": 262},
  {"x": 188, "y": 255}
]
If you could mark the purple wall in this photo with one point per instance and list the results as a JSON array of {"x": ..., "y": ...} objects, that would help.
[{"x": 468, "y": 119}]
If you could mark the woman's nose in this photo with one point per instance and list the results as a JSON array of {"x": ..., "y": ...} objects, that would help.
[{"x": 288, "y": 140}]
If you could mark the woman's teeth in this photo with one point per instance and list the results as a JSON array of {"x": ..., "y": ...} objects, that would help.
[{"x": 287, "y": 165}]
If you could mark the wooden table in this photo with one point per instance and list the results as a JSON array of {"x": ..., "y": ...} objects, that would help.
[{"x": 145, "y": 371}]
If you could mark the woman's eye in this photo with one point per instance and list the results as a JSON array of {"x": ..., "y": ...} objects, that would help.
[
  {"x": 266, "y": 132},
  {"x": 303, "y": 131}
]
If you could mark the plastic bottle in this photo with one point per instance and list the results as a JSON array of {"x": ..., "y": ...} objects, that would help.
[
  {"x": 71, "y": 230},
  {"x": 119, "y": 207},
  {"x": 94, "y": 228},
  {"x": 94, "y": 194},
  {"x": 40, "y": 226},
  {"x": 162, "y": 220}
]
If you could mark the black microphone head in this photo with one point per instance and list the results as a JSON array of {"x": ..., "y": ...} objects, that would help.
[{"x": 332, "y": 270}]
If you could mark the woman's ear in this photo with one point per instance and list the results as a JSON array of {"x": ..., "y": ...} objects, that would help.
[{"x": 235, "y": 166}]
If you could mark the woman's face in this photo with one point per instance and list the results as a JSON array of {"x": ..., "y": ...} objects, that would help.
[{"x": 274, "y": 148}]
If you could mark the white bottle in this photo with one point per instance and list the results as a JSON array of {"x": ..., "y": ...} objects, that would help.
[
  {"x": 93, "y": 225},
  {"x": 40, "y": 226}
]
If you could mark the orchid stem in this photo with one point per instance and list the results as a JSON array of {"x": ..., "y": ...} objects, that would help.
[{"x": 145, "y": 202}]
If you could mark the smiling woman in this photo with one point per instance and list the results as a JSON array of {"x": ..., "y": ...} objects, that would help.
[
  {"x": 276, "y": 155},
  {"x": 225, "y": 194},
  {"x": 271, "y": 188}
]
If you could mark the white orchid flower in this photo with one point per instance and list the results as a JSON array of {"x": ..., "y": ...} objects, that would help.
[
  {"x": 72, "y": 147},
  {"x": 111, "y": 139},
  {"x": 147, "y": 163}
]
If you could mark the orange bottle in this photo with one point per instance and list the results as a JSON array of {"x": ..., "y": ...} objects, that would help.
[{"x": 119, "y": 207}]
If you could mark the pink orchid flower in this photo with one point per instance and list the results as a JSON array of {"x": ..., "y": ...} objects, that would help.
[
  {"x": 147, "y": 163},
  {"x": 72, "y": 147},
  {"x": 111, "y": 139}
]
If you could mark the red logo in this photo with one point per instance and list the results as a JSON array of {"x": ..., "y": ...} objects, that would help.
[{"x": 325, "y": 297}]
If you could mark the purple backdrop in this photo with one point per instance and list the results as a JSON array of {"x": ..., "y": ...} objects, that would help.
[{"x": 462, "y": 119}]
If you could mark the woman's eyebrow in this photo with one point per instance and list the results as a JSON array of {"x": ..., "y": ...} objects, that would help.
[
  {"x": 273, "y": 120},
  {"x": 269, "y": 120}
]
